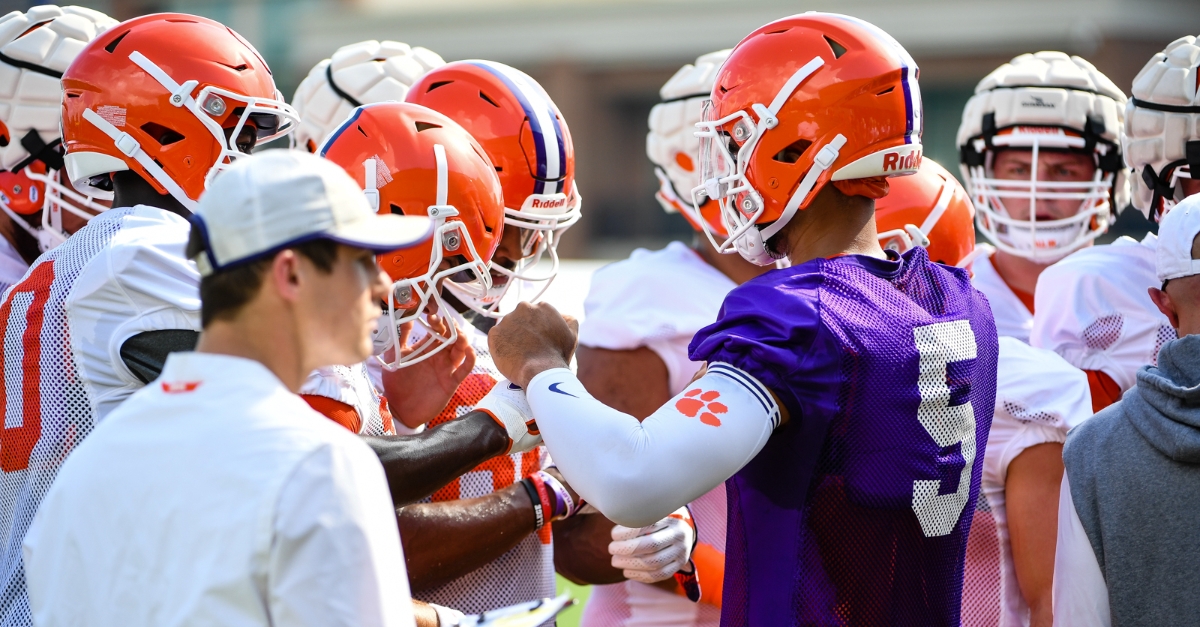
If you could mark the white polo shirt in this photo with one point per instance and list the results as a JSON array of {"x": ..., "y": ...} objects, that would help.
[{"x": 216, "y": 496}]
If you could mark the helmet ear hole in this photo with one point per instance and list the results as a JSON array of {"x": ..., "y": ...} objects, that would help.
[
  {"x": 161, "y": 134},
  {"x": 793, "y": 152}
]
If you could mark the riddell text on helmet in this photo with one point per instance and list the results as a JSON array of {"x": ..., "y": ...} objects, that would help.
[{"x": 895, "y": 162}]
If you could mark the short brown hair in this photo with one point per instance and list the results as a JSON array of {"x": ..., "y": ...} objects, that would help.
[{"x": 224, "y": 292}]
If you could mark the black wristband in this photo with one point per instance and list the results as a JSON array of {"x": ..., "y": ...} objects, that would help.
[{"x": 538, "y": 515}]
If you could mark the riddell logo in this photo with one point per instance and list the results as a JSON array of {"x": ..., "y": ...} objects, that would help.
[
  {"x": 179, "y": 387},
  {"x": 703, "y": 403},
  {"x": 548, "y": 204},
  {"x": 896, "y": 162},
  {"x": 1036, "y": 101}
]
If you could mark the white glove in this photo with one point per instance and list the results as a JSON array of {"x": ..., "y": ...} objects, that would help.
[
  {"x": 657, "y": 552},
  {"x": 506, "y": 404}
]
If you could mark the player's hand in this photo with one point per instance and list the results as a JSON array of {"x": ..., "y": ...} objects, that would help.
[
  {"x": 507, "y": 405},
  {"x": 532, "y": 339},
  {"x": 418, "y": 393},
  {"x": 657, "y": 552}
]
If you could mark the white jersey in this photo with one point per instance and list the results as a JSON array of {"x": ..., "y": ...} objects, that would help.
[
  {"x": 123, "y": 274},
  {"x": 657, "y": 299},
  {"x": 1039, "y": 397},
  {"x": 1094, "y": 310},
  {"x": 12, "y": 265},
  {"x": 1013, "y": 318},
  {"x": 525, "y": 572},
  {"x": 352, "y": 385}
]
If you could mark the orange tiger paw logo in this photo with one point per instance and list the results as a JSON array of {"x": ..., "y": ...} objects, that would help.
[{"x": 697, "y": 402}]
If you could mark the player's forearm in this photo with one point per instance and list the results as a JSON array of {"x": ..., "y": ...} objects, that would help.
[
  {"x": 636, "y": 474},
  {"x": 581, "y": 550},
  {"x": 444, "y": 541},
  {"x": 417, "y": 465}
]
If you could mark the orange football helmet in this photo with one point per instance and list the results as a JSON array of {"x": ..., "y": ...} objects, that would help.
[
  {"x": 929, "y": 209},
  {"x": 416, "y": 161},
  {"x": 35, "y": 189},
  {"x": 167, "y": 96},
  {"x": 527, "y": 139},
  {"x": 801, "y": 102}
]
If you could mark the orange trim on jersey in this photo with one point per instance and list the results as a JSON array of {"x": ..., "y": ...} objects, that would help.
[
  {"x": 335, "y": 410},
  {"x": 385, "y": 414},
  {"x": 1105, "y": 391}
]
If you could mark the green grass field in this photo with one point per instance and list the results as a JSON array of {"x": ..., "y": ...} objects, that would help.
[{"x": 570, "y": 617}]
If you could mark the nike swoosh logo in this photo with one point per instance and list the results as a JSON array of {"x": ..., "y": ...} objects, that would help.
[{"x": 554, "y": 388}]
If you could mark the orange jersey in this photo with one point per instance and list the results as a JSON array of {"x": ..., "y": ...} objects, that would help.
[{"x": 526, "y": 572}]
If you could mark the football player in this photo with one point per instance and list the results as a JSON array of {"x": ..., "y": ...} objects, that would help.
[
  {"x": 1039, "y": 397},
  {"x": 641, "y": 314},
  {"x": 839, "y": 395},
  {"x": 1095, "y": 310},
  {"x": 39, "y": 208},
  {"x": 1041, "y": 156},
  {"x": 95, "y": 317}
]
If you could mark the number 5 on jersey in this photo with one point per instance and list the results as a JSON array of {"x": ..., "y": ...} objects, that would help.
[{"x": 939, "y": 345}]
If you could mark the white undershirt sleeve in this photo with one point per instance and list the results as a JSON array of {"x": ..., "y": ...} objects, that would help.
[
  {"x": 637, "y": 473},
  {"x": 1080, "y": 594}
]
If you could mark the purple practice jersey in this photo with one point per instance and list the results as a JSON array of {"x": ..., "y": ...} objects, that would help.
[{"x": 857, "y": 510}]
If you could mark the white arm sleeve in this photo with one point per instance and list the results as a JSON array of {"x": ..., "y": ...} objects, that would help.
[
  {"x": 1080, "y": 594},
  {"x": 637, "y": 473}
]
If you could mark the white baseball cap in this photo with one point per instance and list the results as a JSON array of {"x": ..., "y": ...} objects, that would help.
[
  {"x": 1176, "y": 232},
  {"x": 268, "y": 201}
]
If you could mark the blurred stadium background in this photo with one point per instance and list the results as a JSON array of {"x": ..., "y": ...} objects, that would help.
[{"x": 604, "y": 60}]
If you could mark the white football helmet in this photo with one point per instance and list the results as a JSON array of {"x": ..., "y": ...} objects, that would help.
[
  {"x": 366, "y": 72},
  {"x": 35, "y": 48},
  {"x": 1044, "y": 101},
  {"x": 1162, "y": 127},
  {"x": 672, "y": 145}
]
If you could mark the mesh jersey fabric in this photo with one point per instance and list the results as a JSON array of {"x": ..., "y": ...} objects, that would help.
[
  {"x": 1093, "y": 309},
  {"x": 1039, "y": 397},
  {"x": 352, "y": 385},
  {"x": 858, "y": 509},
  {"x": 122, "y": 274},
  {"x": 525, "y": 572},
  {"x": 1013, "y": 318},
  {"x": 657, "y": 299}
]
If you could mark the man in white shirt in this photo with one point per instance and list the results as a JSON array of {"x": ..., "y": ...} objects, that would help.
[
  {"x": 216, "y": 495},
  {"x": 1127, "y": 518}
]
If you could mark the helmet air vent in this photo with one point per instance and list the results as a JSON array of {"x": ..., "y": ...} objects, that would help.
[
  {"x": 434, "y": 86},
  {"x": 112, "y": 45},
  {"x": 886, "y": 91},
  {"x": 488, "y": 100},
  {"x": 425, "y": 126},
  {"x": 838, "y": 49}
]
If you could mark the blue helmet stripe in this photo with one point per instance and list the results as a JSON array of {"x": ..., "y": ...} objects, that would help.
[{"x": 543, "y": 121}]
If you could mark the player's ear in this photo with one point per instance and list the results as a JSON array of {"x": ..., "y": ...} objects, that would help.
[
  {"x": 1163, "y": 301},
  {"x": 284, "y": 274}
]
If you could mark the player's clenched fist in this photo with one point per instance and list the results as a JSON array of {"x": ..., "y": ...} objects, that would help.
[
  {"x": 654, "y": 553},
  {"x": 532, "y": 339}
]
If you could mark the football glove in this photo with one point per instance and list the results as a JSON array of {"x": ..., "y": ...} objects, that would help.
[
  {"x": 654, "y": 553},
  {"x": 506, "y": 405}
]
